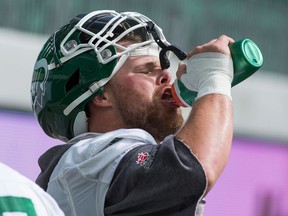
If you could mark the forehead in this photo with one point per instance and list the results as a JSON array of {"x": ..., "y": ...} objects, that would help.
[
  {"x": 134, "y": 49},
  {"x": 139, "y": 58},
  {"x": 141, "y": 61}
]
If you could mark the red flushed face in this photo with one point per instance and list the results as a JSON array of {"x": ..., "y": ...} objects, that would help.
[{"x": 142, "y": 95}]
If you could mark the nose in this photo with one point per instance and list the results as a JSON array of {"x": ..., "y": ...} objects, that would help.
[{"x": 164, "y": 77}]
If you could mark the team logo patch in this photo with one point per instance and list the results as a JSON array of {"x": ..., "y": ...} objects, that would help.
[
  {"x": 142, "y": 158},
  {"x": 146, "y": 159}
]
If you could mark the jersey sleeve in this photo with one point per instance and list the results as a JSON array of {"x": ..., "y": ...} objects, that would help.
[{"x": 164, "y": 179}]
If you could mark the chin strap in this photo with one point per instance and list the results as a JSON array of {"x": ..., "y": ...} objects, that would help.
[
  {"x": 164, "y": 61},
  {"x": 80, "y": 124}
]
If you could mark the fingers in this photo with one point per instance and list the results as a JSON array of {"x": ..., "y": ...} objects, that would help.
[
  {"x": 225, "y": 39},
  {"x": 216, "y": 45},
  {"x": 210, "y": 42},
  {"x": 199, "y": 48}
]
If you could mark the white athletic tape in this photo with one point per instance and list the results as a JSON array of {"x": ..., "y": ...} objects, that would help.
[{"x": 209, "y": 73}]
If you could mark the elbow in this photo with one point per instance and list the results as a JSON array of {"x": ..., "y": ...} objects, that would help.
[
  {"x": 212, "y": 176},
  {"x": 211, "y": 180}
]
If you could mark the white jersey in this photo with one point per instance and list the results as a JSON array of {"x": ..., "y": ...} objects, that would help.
[{"x": 21, "y": 196}]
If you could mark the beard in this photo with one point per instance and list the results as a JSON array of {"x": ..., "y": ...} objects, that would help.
[{"x": 153, "y": 117}]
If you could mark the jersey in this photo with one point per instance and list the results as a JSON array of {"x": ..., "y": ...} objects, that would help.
[
  {"x": 20, "y": 196},
  {"x": 125, "y": 172}
]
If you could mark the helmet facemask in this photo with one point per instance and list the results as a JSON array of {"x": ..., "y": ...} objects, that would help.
[{"x": 91, "y": 39}]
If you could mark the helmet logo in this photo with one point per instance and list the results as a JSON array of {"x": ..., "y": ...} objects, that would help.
[{"x": 38, "y": 99}]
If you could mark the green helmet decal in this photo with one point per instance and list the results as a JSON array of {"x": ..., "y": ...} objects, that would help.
[{"x": 76, "y": 62}]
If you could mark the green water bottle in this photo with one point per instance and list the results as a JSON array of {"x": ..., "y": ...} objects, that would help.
[{"x": 247, "y": 59}]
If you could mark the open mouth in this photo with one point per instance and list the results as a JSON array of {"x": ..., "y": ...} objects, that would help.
[{"x": 168, "y": 99}]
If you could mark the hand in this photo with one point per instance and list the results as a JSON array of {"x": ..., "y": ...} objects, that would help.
[
  {"x": 209, "y": 71},
  {"x": 219, "y": 45},
  {"x": 203, "y": 72}
]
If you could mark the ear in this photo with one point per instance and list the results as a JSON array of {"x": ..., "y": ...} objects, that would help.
[{"x": 102, "y": 100}]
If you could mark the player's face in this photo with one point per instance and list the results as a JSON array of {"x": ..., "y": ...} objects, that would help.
[{"x": 142, "y": 95}]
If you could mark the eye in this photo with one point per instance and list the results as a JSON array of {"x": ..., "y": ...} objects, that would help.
[{"x": 145, "y": 71}]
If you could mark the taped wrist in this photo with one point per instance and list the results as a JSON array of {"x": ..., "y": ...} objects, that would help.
[{"x": 208, "y": 73}]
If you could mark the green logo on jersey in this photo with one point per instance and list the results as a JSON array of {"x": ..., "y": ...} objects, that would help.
[{"x": 10, "y": 204}]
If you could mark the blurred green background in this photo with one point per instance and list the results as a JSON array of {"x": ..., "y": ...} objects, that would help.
[{"x": 186, "y": 23}]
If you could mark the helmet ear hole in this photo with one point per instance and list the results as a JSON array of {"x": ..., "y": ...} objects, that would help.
[{"x": 73, "y": 80}]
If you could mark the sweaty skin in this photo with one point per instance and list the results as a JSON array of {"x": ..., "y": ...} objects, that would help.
[
  {"x": 209, "y": 128},
  {"x": 132, "y": 99}
]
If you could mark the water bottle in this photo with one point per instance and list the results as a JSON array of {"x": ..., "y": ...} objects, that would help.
[{"x": 247, "y": 59}]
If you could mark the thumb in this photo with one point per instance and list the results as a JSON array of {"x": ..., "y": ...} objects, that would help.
[{"x": 182, "y": 67}]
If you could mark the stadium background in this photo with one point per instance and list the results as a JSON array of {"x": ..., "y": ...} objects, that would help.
[{"x": 253, "y": 183}]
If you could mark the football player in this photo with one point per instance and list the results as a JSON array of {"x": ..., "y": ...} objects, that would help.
[
  {"x": 20, "y": 195},
  {"x": 102, "y": 84}
]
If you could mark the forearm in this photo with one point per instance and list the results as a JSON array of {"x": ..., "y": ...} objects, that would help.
[{"x": 208, "y": 132}]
